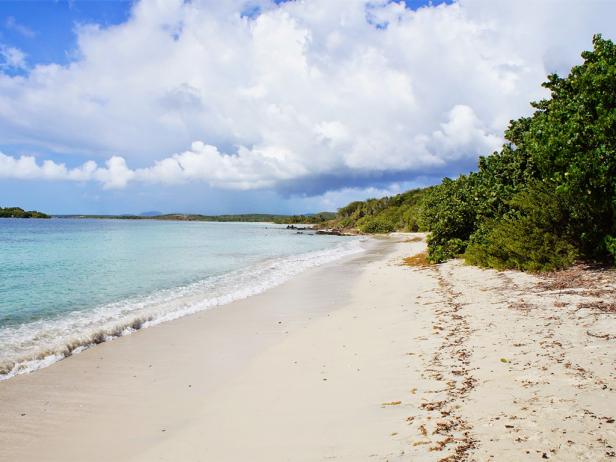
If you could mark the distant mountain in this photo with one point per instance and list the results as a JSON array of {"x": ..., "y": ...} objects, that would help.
[{"x": 152, "y": 213}]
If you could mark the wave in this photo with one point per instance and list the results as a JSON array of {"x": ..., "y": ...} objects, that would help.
[{"x": 38, "y": 344}]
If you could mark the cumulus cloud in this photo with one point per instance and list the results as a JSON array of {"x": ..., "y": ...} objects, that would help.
[
  {"x": 27, "y": 168},
  {"x": 248, "y": 169},
  {"x": 264, "y": 94}
]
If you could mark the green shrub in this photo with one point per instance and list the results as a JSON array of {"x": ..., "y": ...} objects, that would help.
[
  {"x": 529, "y": 237},
  {"x": 377, "y": 225},
  {"x": 610, "y": 245},
  {"x": 517, "y": 243},
  {"x": 439, "y": 252},
  {"x": 410, "y": 219}
]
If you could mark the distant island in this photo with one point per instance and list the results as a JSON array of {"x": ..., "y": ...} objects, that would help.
[{"x": 16, "y": 212}]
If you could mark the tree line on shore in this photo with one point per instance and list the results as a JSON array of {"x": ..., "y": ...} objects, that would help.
[{"x": 545, "y": 200}]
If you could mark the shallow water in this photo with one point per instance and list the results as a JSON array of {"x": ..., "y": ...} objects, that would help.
[{"x": 67, "y": 284}]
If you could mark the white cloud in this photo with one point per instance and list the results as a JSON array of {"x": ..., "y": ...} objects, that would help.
[
  {"x": 12, "y": 58},
  {"x": 248, "y": 169},
  {"x": 303, "y": 90},
  {"x": 27, "y": 168},
  {"x": 12, "y": 24},
  {"x": 461, "y": 133}
]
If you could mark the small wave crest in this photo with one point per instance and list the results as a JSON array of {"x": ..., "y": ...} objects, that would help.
[{"x": 38, "y": 344}]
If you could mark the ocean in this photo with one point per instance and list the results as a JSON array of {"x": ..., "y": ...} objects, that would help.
[{"x": 68, "y": 284}]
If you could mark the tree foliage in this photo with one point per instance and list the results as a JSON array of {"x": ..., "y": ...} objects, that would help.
[{"x": 449, "y": 212}]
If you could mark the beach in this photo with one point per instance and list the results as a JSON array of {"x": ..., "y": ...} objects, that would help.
[{"x": 363, "y": 358}]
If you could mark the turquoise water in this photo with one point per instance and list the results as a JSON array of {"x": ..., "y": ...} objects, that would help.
[{"x": 66, "y": 284}]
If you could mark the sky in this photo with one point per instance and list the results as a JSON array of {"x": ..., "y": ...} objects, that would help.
[{"x": 238, "y": 106}]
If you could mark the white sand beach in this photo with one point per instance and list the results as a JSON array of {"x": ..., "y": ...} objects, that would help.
[{"x": 361, "y": 359}]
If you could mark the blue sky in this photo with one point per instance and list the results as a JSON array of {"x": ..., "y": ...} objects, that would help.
[
  {"x": 45, "y": 30},
  {"x": 246, "y": 106}
]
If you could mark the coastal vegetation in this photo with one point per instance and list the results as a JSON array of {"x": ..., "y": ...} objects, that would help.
[
  {"x": 548, "y": 197},
  {"x": 395, "y": 213},
  {"x": 16, "y": 212},
  {"x": 545, "y": 200},
  {"x": 309, "y": 219}
]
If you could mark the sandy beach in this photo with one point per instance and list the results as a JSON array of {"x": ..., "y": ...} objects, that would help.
[{"x": 362, "y": 359}]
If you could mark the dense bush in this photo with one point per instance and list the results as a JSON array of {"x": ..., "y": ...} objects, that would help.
[
  {"x": 610, "y": 245},
  {"x": 377, "y": 225},
  {"x": 449, "y": 212},
  {"x": 529, "y": 237}
]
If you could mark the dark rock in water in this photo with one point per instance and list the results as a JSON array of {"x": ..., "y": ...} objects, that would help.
[{"x": 330, "y": 232}]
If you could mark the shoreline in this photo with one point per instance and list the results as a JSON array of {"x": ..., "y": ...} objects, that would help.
[
  {"x": 360, "y": 359},
  {"x": 180, "y": 302}
]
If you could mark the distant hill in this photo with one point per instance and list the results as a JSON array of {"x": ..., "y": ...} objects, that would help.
[
  {"x": 17, "y": 212},
  {"x": 152, "y": 213},
  {"x": 315, "y": 218},
  {"x": 393, "y": 213}
]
